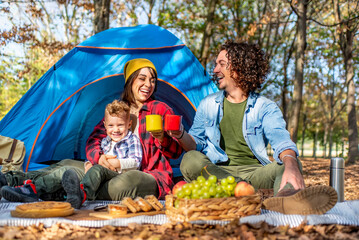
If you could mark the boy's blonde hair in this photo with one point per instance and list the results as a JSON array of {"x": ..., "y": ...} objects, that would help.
[{"x": 118, "y": 107}]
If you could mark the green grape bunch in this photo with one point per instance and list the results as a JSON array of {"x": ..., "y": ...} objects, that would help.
[{"x": 203, "y": 188}]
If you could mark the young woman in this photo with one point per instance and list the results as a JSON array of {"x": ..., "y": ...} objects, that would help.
[{"x": 155, "y": 175}]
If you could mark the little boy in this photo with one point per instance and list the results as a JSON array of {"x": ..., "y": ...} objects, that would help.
[{"x": 120, "y": 142}]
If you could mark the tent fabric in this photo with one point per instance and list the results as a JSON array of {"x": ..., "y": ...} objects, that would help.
[{"x": 57, "y": 114}]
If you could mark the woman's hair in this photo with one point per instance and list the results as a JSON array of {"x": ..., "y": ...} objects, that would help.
[
  {"x": 127, "y": 95},
  {"x": 250, "y": 64}
]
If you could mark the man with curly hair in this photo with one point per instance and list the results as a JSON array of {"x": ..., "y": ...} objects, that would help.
[{"x": 232, "y": 128}]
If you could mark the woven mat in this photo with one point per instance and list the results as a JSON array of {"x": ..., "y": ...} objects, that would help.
[{"x": 345, "y": 213}]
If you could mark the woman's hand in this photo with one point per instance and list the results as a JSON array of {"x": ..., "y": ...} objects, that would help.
[
  {"x": 158, "y": 135},
  {"x": 103, "y": 161}
]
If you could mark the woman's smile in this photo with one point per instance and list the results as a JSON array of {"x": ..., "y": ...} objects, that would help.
[{"x": 144, "y": 85}]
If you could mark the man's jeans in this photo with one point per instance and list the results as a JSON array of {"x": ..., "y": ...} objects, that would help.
[{"x": 261, "y": 177}]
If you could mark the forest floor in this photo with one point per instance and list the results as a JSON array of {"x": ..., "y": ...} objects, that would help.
[{"x": 316, "y": 172}]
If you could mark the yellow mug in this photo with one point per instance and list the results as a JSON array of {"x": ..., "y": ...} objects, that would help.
[{"x": 154, "y": 123}]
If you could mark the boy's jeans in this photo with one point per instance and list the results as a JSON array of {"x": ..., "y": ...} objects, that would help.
[{"x": 102, "y": 183}]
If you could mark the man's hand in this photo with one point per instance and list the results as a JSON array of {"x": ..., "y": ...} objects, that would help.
[
  {"x": 185, "y": 139},
  {"x": 291, "y": 172},
  {"x": 176, "y": 134},
  {"x": 103, "y": 161}
]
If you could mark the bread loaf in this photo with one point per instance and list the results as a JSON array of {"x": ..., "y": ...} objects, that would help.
[
  {"x": 43, "y": 209},
  {"x": 145, "y": 206},
  {"x": 117, "y": 209},
  {"x": 154, "y": 202},
  {"x": 132, "y": 205}
]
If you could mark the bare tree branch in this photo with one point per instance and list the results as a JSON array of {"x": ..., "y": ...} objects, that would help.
[{"x": 335, "y": 24}]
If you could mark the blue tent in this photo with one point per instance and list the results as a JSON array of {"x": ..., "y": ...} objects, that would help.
[{"x": 56, "y": 116}]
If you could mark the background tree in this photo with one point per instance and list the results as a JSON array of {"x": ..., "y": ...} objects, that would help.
[
  {"x": 102, "y": 15},
  {"x": 208, "y": 32},
  {"x": 346, "y": 30},
  {"x": 301, "y": 43},
  {"x": 43, "y": 32}
]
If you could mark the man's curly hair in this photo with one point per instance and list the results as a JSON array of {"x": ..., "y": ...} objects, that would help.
[{"x": 249, "y": 62}]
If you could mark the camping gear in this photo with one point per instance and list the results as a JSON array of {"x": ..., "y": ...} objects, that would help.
[
  {"x": 12, "y": 153},
  {"x": 154, "y": 123},
  {"x": 58, "y": 113},
  {"x": 337, "y": 176},
  {"x": 173, "y": 122}
]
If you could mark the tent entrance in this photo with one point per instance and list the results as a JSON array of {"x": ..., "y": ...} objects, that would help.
[{"x": 89, "y": 110}]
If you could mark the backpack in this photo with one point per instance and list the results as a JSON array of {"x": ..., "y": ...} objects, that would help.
[{"x": 12, "y": 154}]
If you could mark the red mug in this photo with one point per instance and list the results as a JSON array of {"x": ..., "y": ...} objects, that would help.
[{"x": 173, "y": 122}]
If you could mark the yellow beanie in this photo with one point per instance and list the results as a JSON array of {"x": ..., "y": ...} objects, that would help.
[{"x": 135, "y": 64}]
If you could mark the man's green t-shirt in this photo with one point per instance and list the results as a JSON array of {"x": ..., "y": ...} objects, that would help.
[{"x": 232, "y": 139}]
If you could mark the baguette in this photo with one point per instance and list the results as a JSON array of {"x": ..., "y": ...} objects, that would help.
[
  {"x": 132, "y": 205},
  {"x": 117, "y": 209},
  {"x": 145, "y": 206},
  {"x": 154, "y": 202}
]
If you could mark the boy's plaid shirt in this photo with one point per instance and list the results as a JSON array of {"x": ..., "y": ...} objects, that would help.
[
  {"x": 128, "y": 150},
  {"x": 156, "y": 156}
]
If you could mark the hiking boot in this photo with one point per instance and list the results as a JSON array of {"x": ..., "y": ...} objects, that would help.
[
  {"x": 24, "y": 193},
  {"x": 312, "y": 200},
  {"x": 3, "y": 181},
  {"x": 287, "y": 192},
  {"x": 59, "y": 195},
  {"x": 76, "y": 196}
]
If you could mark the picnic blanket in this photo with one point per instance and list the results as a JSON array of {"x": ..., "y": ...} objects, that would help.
[{"x": 344, "y": 213}]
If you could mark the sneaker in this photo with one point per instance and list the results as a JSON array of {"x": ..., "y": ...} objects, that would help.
[
  {"x": 24, "y": 193},
  {"x": 3, "y": 181},
  {"x": 76, "y": 196},
  {"x": 312, "y": 200},
  {"x": 59, "y": 195}
]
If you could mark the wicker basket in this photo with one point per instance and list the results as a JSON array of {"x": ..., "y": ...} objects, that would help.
[{"x": 228, "y": 208}]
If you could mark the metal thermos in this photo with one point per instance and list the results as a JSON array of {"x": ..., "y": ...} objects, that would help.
[{"x": 337, "y": 176}]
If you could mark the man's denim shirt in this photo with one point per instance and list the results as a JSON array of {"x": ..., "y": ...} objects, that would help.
[{"x": 263, "y": 123}]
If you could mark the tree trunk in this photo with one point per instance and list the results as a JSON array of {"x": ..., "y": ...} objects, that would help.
[
  {"x": 208, "y": 33},
  {"x": 102, "y": 15},
  {"x": 331, "y": 116},
  {"x": 303, "y": 132},
  {"x": 352, "y": 120},
  {"x": 315, "y": 142},
  {"x": 286, "y": 59},
  {"x": 149, "y": 14},
  {"x": 299, "y": 62},
  {"x": 330, "y": 136},
  {"x": 285, "y": 89},
  {"x": 346, "y": 35},
  {"x": 325, "y": 142}
]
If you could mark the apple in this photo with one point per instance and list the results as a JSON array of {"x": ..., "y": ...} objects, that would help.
[
  {"x": 178, "y": 187},
  {"x": 243, "y": 189}
]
